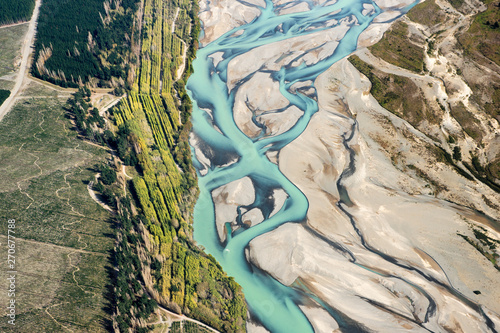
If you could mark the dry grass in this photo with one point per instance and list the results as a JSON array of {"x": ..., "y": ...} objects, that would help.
[
  {"x": 467, "y": 120},
  {"x": 11, "y": 40},
  {"x": 44, "y": 170},
  {"x": 396, "y": 48},
  {"x": 427, "y": 13},
  {"x": 397, "y": 94}
]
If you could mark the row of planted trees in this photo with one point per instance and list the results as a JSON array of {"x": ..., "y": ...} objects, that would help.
[
  {"x": 156, "y": 257},
  {"x": 179, "y": 275}
]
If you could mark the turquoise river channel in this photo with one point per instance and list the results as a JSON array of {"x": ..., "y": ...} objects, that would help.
[{"x": 274, "y": 305}]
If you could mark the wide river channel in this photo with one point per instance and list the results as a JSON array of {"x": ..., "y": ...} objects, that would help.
[{"x": 273, "y": 304}]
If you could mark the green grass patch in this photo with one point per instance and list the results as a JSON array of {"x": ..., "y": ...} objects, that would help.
[
  {"x": 482, "y": 36},
  {"x": 396, "y": 48}
]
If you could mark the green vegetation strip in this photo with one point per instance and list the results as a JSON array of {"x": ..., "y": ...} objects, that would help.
[{"x": 156, "y": 251}]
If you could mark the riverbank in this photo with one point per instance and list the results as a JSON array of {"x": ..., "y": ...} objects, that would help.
[{"x": 377, "y": 247}]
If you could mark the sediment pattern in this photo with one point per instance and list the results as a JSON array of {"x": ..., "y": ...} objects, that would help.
[{"x": 297, "y": 202}]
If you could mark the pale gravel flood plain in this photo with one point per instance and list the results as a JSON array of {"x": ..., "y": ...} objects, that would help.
[{"x": 391, "y": 260}]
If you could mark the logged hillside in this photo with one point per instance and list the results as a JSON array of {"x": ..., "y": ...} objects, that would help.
[
  {"x": 91, "y": 43},
  {"x": 15, "y": 11},
  {"x": 63, "y": 237}
]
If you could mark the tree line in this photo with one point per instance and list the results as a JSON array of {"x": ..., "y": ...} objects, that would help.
[
  {"x": 78, "y": 43},
  {"x": 15, "y": 11},
  {"x": 156, "y": 256}
]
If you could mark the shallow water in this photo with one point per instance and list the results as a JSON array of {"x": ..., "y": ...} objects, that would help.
[{"x": 275, "y": 305}]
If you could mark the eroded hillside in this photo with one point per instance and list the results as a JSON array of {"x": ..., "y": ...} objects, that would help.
[{"x": 432, "y": 68}]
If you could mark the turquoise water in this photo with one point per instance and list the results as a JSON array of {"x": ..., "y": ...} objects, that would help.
[{"x": 270, "y": 302}]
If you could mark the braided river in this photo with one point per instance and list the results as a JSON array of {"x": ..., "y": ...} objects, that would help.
[{"x": 227, "y": 154}]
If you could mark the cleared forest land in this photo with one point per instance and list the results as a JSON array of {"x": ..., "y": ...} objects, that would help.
[
  {"x": 63, "y": 236},
  {"x": 11, "y": 39},
  {"x": 82, "y": 267}
]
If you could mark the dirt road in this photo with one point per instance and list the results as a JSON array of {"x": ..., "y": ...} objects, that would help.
[
  {"x": 23, "y": 69},
  {"x": 12, "y": 24}
]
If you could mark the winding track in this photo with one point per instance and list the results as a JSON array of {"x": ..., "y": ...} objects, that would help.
[
  {"x": 13, "y": 24},
  {"x": 26, "y": 52},
  {"x": 180, "y": 318}
]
